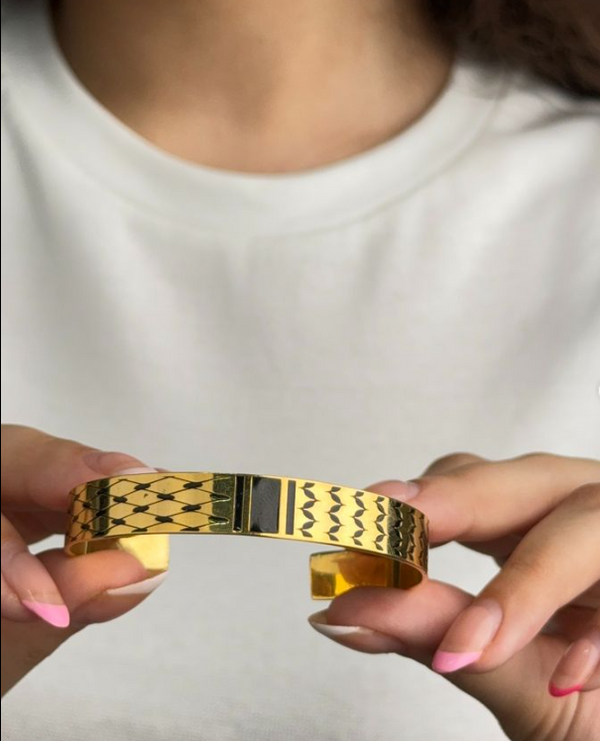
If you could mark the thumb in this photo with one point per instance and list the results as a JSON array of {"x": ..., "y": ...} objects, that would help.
[
  {"x": 412, "y": 623},
  {"x": 96, "y": 587},
  {"x": 38, "y": 471},
  {"x": 101, "y": 586}
]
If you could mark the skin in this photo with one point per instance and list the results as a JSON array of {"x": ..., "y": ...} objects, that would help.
[
  {"x": 281, "y": 87},
  {"x": 258, "y": 86},
  {"x": 38, "y": 471},
  {"x": 539, "y": 517},
  {"x": 521, "y": 511}
]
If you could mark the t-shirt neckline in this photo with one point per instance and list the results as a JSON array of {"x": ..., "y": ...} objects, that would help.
[{"x": 54, "y": 101}]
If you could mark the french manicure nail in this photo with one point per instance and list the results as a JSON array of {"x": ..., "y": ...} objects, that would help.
[
  {"x": 113, "y": 464},
  {"x": 445, "y": 662},
  {"x": 403, "y": 491},
  {"x": 55, "y": 615},
  {"x": 356, "y": 637},
  {"x": 138, "y": 588},
  {"x": 410, "y": 491},
  {"x": 560, "y": 692},
  {"x": 35, "y": 588},
  {"x": 576, "y": 666},
  {"x": 468, "y": 637},
  {"x": 139, "y": 469}
]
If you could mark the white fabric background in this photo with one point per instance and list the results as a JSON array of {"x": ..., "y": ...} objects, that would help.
[{"x": 439, "y": 293}]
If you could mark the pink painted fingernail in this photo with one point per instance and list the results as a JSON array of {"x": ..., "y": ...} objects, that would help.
[
  {"x": 576, "y": 666},
  {"x": 31, "y": 582},
  {"x": 445, "y": 662},
  {"x": 468, "y": 637},
  {"x": 560, "y": 692},
  {"x": 56, "y": 615}
]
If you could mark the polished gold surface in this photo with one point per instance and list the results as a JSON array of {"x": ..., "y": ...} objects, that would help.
[{"x": 385, "y": 541}]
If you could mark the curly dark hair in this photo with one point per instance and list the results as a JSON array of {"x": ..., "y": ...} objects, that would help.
[{"x": 558, "y": 40}]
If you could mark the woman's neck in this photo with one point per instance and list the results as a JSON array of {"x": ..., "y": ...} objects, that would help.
[{"x": 258, "y": 85}]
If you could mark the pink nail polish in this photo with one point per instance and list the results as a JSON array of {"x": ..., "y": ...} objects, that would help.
[
  {"x": 55, "y": 615},
  {"x": 577, "y": 665},
  {"x": 468, "y": 636},
  {"x": 445, "y": 662},
  {"x": 563, "y": 692}
]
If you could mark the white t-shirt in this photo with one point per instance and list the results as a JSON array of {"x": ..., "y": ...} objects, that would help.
[{"x": 440, "y": 292}]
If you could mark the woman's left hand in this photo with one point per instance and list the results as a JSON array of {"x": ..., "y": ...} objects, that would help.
[{"x": 528, "y": 646}]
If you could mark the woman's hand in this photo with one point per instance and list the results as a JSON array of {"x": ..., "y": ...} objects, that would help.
[
  {"x": 47, "y": 598},
  {"x": 528, "y": 646}
]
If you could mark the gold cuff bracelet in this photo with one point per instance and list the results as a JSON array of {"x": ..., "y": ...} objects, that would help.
[{"x": 384, "y": 540}]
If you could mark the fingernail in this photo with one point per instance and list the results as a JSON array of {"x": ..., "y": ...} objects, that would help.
[
  {"x": 55, "y": 615},
  {"x": 113, "y": 464},
  {"x": 138, "y": 588},
  {"x": 576, "y": 666},
  {"x": 403, "y": 491},
  {"x": 139, "y": 469},
  {"x": 559, "y": 692},
  {"x": 445, "y": 662},
  {"x": 468, "y": 637},
  {"x": 356, "y": 637}
]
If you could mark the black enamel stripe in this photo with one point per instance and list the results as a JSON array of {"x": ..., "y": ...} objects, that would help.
[
  {"x": 238, "y": 504},
  {"x": 291, "y": 506},
  {"x": 264, "y": 507}
]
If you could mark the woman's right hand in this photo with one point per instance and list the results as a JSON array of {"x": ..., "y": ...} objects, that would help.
[{"x": 49, "y": 597}]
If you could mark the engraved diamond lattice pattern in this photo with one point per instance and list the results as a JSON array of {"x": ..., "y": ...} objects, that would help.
[{"x": 128, "y": 507}]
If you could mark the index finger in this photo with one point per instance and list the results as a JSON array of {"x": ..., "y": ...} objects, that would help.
[
  {"x": 484, "y": 500},
  {"x": 39, "y": 470}
]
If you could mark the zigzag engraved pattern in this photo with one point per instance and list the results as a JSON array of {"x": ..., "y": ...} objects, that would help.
[
  {"x": 357, "y": 519},
  {"x": 381, "y": 517},
  {"x": 336, "y": 523},
  {"x": 360, "y": 510},
  {"x": 309, "y": 518}
]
